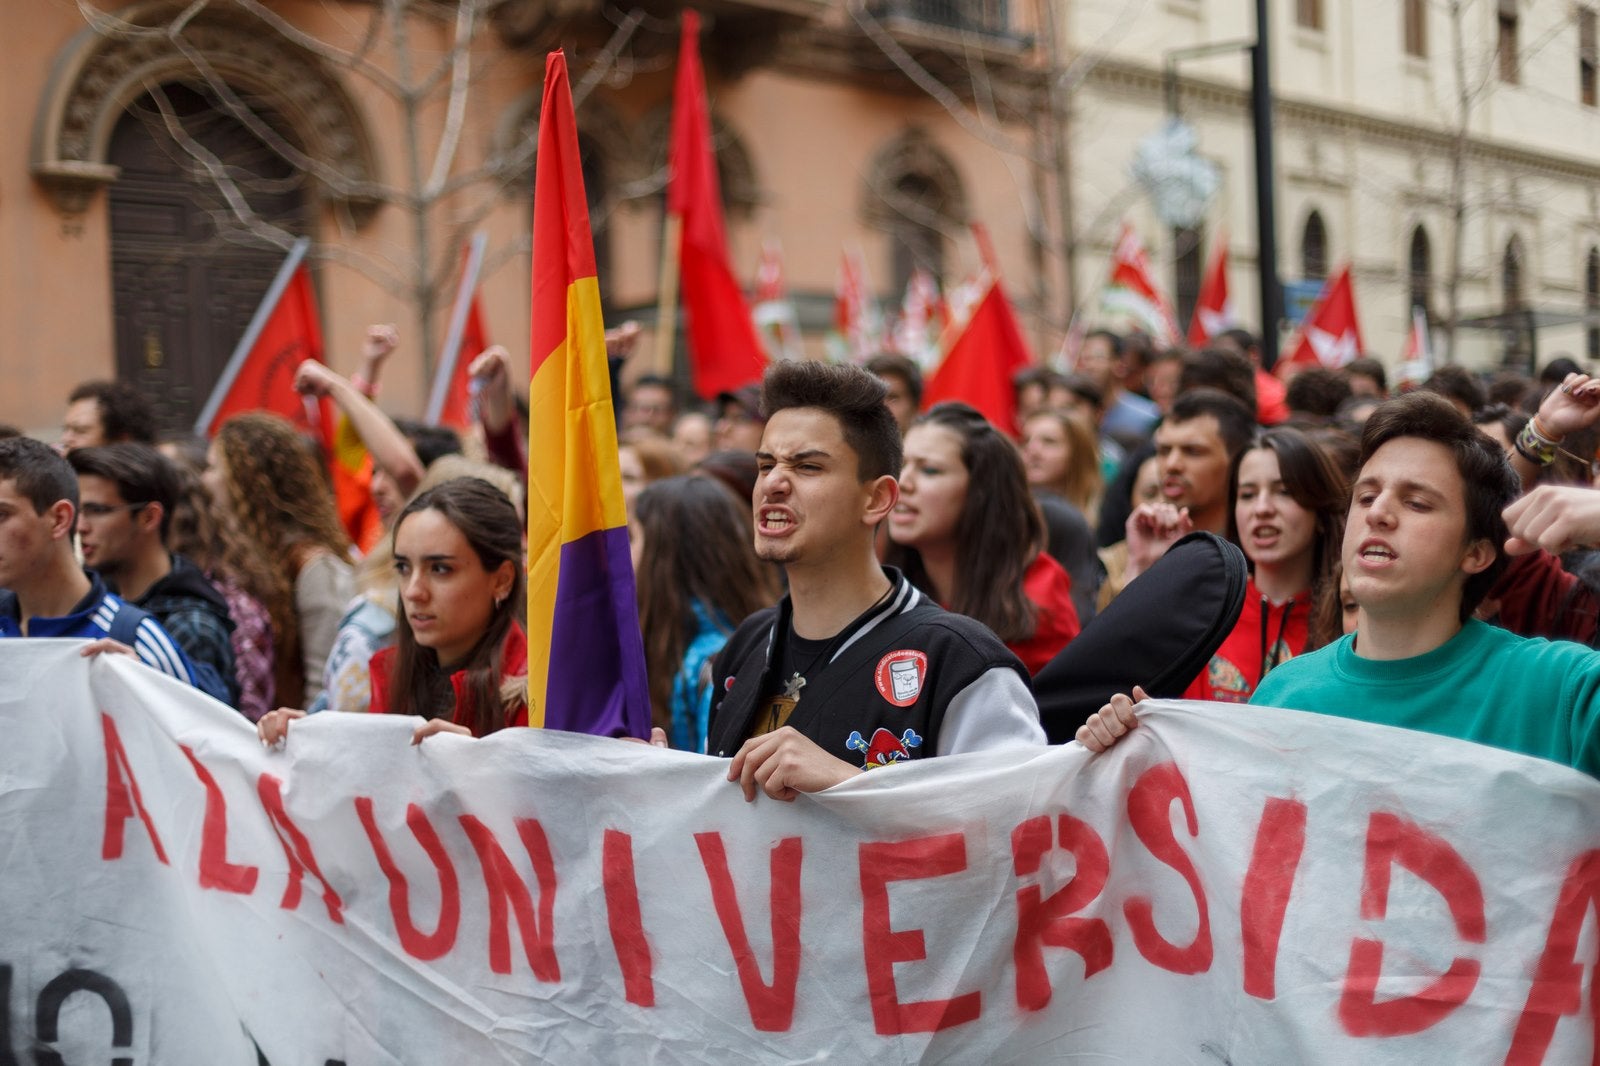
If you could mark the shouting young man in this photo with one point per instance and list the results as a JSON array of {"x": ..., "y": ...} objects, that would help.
[
  {"x": 854, "y": 669},
  {"x": 1423, "y": 543}
]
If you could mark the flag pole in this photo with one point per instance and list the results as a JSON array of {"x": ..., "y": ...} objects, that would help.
[
  {"x": 456, "y": 330},
  {"x": 252, "y": 333},
  {"x": 667, "y": 301}
]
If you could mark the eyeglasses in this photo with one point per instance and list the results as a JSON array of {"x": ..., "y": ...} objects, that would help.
[{"x": 100, "y": 510}]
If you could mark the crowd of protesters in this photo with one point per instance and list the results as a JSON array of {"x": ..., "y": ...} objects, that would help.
[{"x": 783, "y": 532}]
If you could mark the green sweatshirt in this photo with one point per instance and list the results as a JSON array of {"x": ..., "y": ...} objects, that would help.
[{"x": 1538, "y": 697}]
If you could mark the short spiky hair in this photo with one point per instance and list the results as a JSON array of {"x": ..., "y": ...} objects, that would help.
[
  {"x": 849, "y": 394},
  {"x": 1491, "y": 484},
  {"x": 43, "y": 478}
]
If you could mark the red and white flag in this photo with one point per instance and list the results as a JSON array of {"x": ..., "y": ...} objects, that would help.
[
  {"x": 776, "y": 319},
  {"x": 922, "y": 319},
  {"x": 1416, "y": 363},
  {"x": 260, "y": 374},
  {"x": 1213, "y": 311},
  {"x": 1331, "y": 334},
  {"x": 858, "y": 326},
  {"x": 1131, "y": 289}
]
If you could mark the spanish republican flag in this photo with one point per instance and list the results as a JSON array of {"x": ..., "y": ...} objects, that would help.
[{"x": 585, "y": 655}]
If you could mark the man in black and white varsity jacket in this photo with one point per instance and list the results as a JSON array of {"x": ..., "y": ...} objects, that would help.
[{"x": 854, "y": 669}]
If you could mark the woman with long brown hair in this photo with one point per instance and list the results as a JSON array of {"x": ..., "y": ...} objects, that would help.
[
  {"x": 698, "y": 577},
  {"x": 207, "y": 536},
  {"x": 1289, "y": 504},
  {"x": 967, "y": 531},
  {"x": 460, "y": 660},
  {"x": 268, "y": 479}
]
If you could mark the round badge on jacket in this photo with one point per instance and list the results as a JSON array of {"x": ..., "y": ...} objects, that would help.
[{"x": 899, "y": 676}]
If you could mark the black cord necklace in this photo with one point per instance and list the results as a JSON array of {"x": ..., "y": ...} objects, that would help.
[{"x": 797, "y": 681}]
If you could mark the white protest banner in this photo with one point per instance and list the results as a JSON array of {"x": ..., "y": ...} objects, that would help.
[{"x": 1235, "y": 885}]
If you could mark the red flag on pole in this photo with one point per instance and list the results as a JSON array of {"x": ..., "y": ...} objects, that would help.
[
  {"x": 260, "y": 374},
  {"x": 1213, "y": 312},
  {"x": 1132, "y": 290},
  {"x": 725, "y": 352},
  {"x": 980, "y": 363},
  {"x": 450, "y": 401},
  {"x": 1331, "y": 334}
]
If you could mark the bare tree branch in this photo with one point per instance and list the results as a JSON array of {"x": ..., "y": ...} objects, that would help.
[
  {"x": 925, "y": 81},
  {"x": 456, "y": 108}
]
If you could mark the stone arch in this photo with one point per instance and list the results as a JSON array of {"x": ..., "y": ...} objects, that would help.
[
  {"x": 913, "y": 155},
  {"x": 109, "y": 65}
]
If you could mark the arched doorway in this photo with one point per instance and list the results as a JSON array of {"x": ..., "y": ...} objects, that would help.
[{"x": 186, "y": 272}]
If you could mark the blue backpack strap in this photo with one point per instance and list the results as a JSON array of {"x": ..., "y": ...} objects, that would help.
[{"x": 125, "y": 623}]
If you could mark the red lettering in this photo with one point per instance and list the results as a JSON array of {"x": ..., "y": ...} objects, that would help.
[
  {"x": 1268, "y": 883},
  {"x": 771, "y": 1004},
  {"x": 215, "y": 869},
  {"x": 416, "y": 944},
  {"x": 508, "y": 894},
  {"x": 1390, "y": 840},
  {"x": 122, "y": 797},
  {"x": 622, "y": 913},
  {"x": 1558, "y": 981},
  {"x": 1149, "y": 806},
  {"x": 1045, "y": 921},
  {"x": 296, "y": 849},
  {"x": 883, "y": 946}
]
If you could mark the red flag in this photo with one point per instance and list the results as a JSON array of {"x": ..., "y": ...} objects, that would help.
[
  {"x": 980, "y": 363},
  {"x": 450, "y": 401},
  {"x": 1213, "y": 313},
  {"x": 725, "y": 350},
  {"x": 260, "y": 374},
  {"x": 1132, "y": 290},
  {"x": 1331, "y": 334}
]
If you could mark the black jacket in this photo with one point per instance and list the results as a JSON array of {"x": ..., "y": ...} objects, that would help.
[{"x": 898, "y": 670}]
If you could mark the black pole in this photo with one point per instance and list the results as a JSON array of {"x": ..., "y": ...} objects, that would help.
[{"x": 1266, "y": 216}]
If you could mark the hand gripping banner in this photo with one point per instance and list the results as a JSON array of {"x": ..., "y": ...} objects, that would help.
[{"x": 1230, "y": 884}]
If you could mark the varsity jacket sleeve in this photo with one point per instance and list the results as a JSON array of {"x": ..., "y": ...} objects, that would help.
[{"x": 995, "y": 711}]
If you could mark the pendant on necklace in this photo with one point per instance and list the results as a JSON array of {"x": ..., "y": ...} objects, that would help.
[{"x": 792, "y": 687}]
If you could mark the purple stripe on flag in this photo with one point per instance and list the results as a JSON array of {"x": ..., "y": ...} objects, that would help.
[{"x": 597, "y": 678}]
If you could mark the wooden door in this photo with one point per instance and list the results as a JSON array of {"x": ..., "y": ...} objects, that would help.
[{"x": 186, "y": 274}]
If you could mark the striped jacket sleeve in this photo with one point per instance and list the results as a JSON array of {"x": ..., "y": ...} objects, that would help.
[{"x": 156, "y": 649}]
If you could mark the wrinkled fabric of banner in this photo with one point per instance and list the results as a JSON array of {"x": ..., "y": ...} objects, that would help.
[{"x": 1230, "y": 884}]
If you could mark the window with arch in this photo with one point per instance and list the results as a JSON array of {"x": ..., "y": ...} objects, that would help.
[
  {"x": 1420, "y": 272},
  {"x": 914, "y": 194},
  {"x": 1314, "y": 248},
  {"x": 1511, "y": 275},
  {"x": 1416, "y": 28},
  {"x": 1519, "y": 342},
  {"x": 1591, "y": 302}
]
